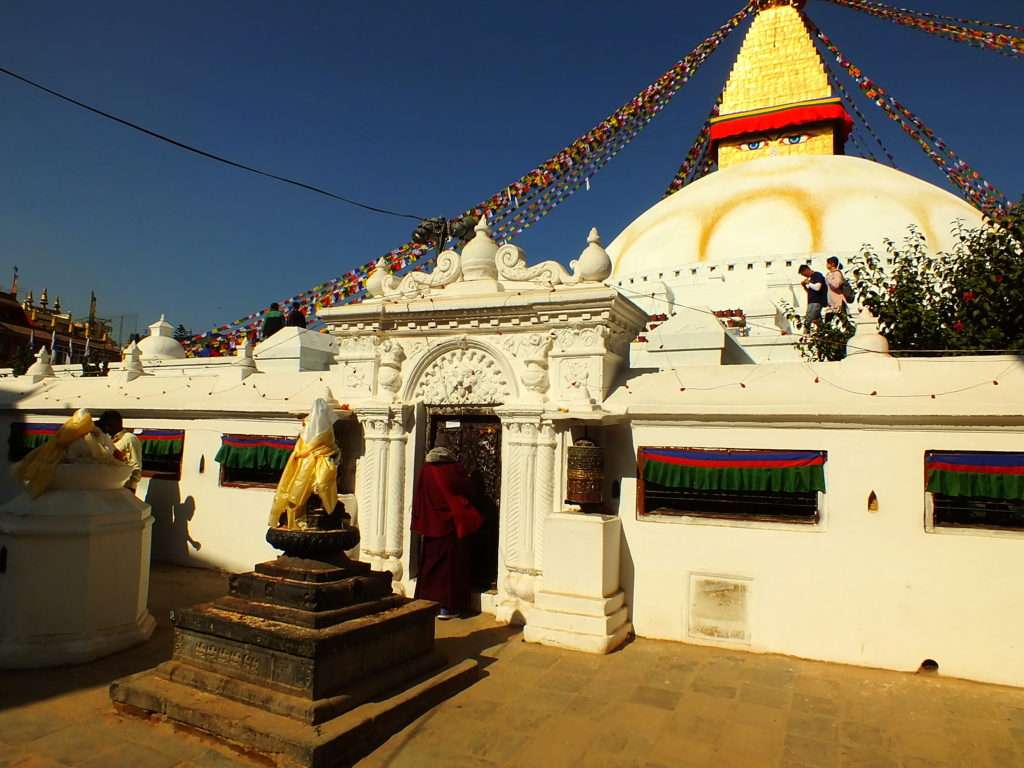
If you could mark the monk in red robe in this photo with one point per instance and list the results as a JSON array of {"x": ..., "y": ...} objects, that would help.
[{"x": 443, "y": 516}]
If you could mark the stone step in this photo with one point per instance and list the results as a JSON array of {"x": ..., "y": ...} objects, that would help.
[
  {"x": 298, "y": 707},
  {"x": 310, "y": 596},
  {"x": 312, "y": 619},
  {"x": 340, "y": 741},
  {"x": 303, "y": 661}
]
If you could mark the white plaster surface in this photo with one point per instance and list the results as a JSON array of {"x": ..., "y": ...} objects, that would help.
[
  {"x": 77, "y": 577},
  {"x": 579, "y": 604},
  {"x": 785, "y": 205}
]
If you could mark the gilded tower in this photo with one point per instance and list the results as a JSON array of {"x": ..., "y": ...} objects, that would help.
[{"x": 778, "y": 100}]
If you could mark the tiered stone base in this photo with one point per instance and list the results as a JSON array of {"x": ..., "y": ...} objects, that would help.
[{"x": 309, "y": 662}]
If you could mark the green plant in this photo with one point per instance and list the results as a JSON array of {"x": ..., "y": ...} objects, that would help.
[
  {"x": 824, "y": 341},
  {"x": 970, "y": 299}
]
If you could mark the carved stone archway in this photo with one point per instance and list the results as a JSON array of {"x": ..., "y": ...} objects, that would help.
[{"x": 462, "y": 372}]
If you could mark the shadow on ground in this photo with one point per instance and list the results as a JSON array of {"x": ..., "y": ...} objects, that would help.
[
  {"x": 170, "y": 587},
  {"x": 484, "y": 644}
]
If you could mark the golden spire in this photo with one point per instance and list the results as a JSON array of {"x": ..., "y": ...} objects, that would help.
[{"x": 778, "y": 82}]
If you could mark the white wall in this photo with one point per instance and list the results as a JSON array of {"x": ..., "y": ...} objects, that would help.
[
  {"x": 196, "y": 521},
  {"x": 866, "y": 588}
]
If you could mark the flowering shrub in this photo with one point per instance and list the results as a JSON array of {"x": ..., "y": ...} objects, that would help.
[
  {"x": 969, "y": 299},
  {"x": 824, "y": 341}
]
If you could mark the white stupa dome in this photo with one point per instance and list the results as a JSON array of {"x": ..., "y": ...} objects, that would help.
[
  {"x": 161, "y": 344},
  {"x": 793, "y": 206}
]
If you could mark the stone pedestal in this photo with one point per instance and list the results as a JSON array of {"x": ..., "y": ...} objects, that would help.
[
  {"x": 579, "y": 604},
  {"x": 312, "y": 663},
  {"x": 75, "y": 581}
]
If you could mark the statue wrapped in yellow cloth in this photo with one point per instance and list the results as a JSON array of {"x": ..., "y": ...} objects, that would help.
[
  {"x": 78, "y": 441},
  {"x": 311, "y": 469}
]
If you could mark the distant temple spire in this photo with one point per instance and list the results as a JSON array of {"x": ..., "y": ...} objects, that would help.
[
  {"x": 92, "y": 306},
  {"x": 778, "y": 100}
]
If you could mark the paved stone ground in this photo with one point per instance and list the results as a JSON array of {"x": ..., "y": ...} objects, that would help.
[{"x": 651, "y": 704}]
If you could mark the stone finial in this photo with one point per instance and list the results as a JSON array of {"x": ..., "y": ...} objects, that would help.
[
  {"x": 868, "y": 338},
  {"x": 131, "y": 366},
  {"x": 375, "y": 282},
  {"x": 244, "y": 365},
  {"x": 478, "y": 256},
  {"x": 161, "y": 328},
  {"x": 594, "y": 263},
  {"x": 42, "y": 367}
]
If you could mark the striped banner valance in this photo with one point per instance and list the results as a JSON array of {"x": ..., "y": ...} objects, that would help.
[
  {"x": 978, "y": 474},
  {"x": 25, "y": 437},
  {"x": 734, "y": 470},
  {"x": 254, "y": 451},
  {"x": 161, "y": 442}
]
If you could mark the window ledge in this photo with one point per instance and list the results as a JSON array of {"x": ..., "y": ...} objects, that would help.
[
  {"x": 973, "y": 530},
  {"x": 808, "y": 526}
]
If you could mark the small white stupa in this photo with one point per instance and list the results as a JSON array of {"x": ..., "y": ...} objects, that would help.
[
  {"x": 161, "y": 344},
  {"x": 76, "y": 548}
]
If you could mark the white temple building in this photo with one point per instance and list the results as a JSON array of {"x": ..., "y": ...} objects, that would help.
[{"x": 842, "y": 554}]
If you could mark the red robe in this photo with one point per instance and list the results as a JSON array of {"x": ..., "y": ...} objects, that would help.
[
  {"x": 440, "y": 506},
  {"x": 442, "y": 514}
]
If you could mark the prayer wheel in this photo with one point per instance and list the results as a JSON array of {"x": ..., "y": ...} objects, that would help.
[{"x": 585, "y": 474}]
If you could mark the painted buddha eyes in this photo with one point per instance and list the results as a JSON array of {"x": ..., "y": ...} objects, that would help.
[{"x": 757, "y": 144}]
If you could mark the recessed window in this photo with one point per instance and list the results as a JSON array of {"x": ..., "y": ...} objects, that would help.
[
  {"x": 253, "y": 461},
  {"x": 161, "y": 452},
  {"x": 24, "y": 437},
  {"x": 975, "y": 489},
  {"x": 766, "y": 485}
]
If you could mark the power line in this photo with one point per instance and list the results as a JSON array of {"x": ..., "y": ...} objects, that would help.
[{"x": 204, "y": 153}]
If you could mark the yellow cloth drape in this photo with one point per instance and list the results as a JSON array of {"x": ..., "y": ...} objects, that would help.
[
  {"x": 35, "y": 472},
  {"x": 311, "y": 468}
]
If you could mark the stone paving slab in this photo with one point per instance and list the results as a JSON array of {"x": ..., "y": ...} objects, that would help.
[{"x": 650, "y": 705}]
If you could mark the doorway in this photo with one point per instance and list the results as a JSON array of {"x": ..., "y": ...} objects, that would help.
[{"x": 473, "y": 435}]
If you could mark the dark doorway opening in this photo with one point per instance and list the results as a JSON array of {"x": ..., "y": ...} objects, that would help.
[{"x": 474, "y": 436}]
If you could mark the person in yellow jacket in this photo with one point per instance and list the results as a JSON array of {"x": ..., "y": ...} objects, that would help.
[{"x": 312, "y": 468}]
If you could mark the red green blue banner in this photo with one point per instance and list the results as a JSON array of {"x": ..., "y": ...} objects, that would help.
[
  {"x": 734, "y": 470},
  {"x": 161, "y": 442},
  {"x": 25, "y": 437},
  {"x": 975, "y": 473},
  {"x": 254, "y": 451}
]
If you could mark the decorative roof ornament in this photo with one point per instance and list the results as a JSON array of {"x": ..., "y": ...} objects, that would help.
[
  {"x": 41, "y": 368},
  {"x": 594, "y": 263},
  {"x": 160, "y": 344},
  {"x": 478, "y": 255},
  {"x": 131, "y": 367}
]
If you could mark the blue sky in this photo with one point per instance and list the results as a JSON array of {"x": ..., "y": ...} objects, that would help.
[{"x": 420, "y": 107}]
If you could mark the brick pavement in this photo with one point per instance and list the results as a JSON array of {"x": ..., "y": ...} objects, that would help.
[{"x": 651, "y": 704}]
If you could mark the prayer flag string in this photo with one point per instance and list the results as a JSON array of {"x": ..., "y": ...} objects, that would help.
[
  {"x": 948, "y": 27},
  {"x": 975, "y": 189},
  {"x": 511, "y": 210}
]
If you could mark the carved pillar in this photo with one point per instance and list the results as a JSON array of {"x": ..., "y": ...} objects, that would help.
[
  {"x": 373, "y": 476},
  {"x": 544, "y": 495},
  {"x": 395, "y": 510},
  {"x": 526, "y": 484}
]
